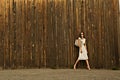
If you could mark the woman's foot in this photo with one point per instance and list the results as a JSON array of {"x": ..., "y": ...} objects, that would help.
[
  {"x": 74, "y": 67},
  {"x": 88, "y": 68}
]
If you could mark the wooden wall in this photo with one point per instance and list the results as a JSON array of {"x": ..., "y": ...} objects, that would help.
[
  {"x": 41, "y": 33},
  {"x": 119, "y": 33}
]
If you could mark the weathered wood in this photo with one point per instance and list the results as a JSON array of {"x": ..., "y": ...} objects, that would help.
[
  {"x": 41, "y": 33},
  {"x": 119, "y": 31}
]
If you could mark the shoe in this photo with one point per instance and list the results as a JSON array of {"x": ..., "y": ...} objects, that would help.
[{"x": 88, "y": 68}]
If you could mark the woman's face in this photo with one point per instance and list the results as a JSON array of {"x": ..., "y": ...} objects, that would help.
[{"x": 82, "y": 35}]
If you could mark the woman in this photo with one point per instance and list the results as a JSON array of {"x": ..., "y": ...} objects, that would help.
[{"x": 82, "y": 52}]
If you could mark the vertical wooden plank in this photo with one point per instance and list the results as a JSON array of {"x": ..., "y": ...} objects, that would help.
[
  {"x": 3, "y": 18},
  {"x": 115, "y": 20},
  {"x": 2, "y": 32},
  {"x": 33, "y": 32},
  {"x": 45, "y": 3},
  {"x": 36, "y": 34},
  {"x": 27, "y": 36},
  {"x": 41, "y": 36},
  {"x": 24, "y": 28},
  {"x": 78, "y": 7},
  {"x": 108, "y": 8},
  {"x": 55, "y": 33},
  {"x": 102, "y": 30},
  {"x": 115, "y": 5},
  {"x": 71, "y": 34},
  {"x": 105, "y": 32},
  {"x": 87, "y": 29},
  {"x": 23, "y": 3},
  {"x": 76, "y": 32},
  {"x": 64, "y": 39},
  {"x": 90, "y": 19},
  {"x": 100, "y": 35},
  {"x": 65, "y": 33},
  {"x": 3, "y": 23},
  {"x": 49, "y": 34},
  {"x": 11, "y": 34},
  {"x": 31, "y": 17},
  {"x": 83, "y": 11},
  {"x": 111, "y": 62},
  {"x": 17, "y": 35},
  {"x": 96, "y": 30},
  {"x": 119, "y": 33},
  {"x": 15, "y": 32}
]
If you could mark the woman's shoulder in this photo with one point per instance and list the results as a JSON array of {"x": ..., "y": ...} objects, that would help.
[{"x": 79, "y": 38}]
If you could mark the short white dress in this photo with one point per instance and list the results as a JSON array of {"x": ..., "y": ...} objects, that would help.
[{"x": 83, "y": 55}]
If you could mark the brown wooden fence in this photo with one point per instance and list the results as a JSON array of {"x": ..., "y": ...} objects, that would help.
[
  {"x": 119, "y": 33},
  {"x": 41, "y": 33}
]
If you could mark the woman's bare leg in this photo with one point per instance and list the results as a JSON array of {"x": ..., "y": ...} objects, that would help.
[
  {"x": 88, "y": 66},
  {"x": 76, "y": 63}
]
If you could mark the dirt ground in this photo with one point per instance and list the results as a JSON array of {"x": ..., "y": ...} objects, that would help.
[{"x": 59, "y": 74}]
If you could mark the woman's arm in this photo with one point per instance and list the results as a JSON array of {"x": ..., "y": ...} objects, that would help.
[{"x": 79, "y": 43}]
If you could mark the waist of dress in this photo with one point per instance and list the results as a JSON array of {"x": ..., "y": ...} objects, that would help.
[{"x": 82, "y": 45}]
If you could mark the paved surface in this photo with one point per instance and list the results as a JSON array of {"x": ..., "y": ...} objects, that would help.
[{"x": 59, "y": 74}]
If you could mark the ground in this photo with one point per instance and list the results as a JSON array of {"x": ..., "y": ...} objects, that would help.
[{"x": 59, "y": 74}]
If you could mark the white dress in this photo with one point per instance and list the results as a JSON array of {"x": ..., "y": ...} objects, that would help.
[{"x": 83, "y": 55}]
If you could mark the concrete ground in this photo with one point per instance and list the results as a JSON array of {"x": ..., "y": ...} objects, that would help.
[{"x": 59, "y": 74}]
